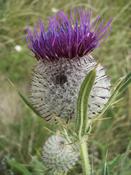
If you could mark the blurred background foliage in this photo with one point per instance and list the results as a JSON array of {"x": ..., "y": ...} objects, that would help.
[{"x": 21, "y": 132}]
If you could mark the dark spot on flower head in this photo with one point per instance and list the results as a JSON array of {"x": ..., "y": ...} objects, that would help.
[
  {"x": 61, "y": 79},
  {"x": 67, "y": 36},
  {"x": 62, "y": 142},
  {"x": 93, "y": 113}
]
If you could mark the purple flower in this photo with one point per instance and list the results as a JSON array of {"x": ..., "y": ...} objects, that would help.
[
  {"x": 63, "y": 57},
  {"x": 67, "y": 37}
]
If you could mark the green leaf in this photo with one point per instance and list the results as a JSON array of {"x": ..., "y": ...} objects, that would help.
[
  {"x": 37, "y": 166},
  {"x": 28, "y": 103},
  {"x": 47, "y": 127},
  {"x": 18, "y": 167},
  {"x": 82, "y": 103},
  {"x": 46, "y": 124},
  {"x": 114, "y": 162},
  {"x": 24, "y": 98},
  {"x": 105, "y": 169},
  {"x": 118, "y": 90},
  {"x": 124, "y": 83}
]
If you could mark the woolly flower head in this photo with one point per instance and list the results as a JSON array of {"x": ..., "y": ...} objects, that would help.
[
  {"x": 59, "y": 155},
  {"x": 63, "y": 62}
]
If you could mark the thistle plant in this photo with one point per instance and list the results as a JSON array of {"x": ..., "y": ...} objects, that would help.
[{"x": 68, "y": 84}]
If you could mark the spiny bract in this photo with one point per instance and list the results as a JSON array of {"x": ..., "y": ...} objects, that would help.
[{"x": 55, "y": 87}]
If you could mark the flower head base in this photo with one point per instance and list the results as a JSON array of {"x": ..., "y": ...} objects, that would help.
[
  {"x": 55, "y": 87},
  {"x": 59, "y": 155},
  {"x": 67, "y": 37}
]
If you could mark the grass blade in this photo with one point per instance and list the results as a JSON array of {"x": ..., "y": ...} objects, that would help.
[{"x": 18, "y": 167}]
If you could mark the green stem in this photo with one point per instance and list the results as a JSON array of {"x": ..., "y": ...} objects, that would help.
[
  {"x": 85, "y": 158},
  {"x": 62, "y": 174}
]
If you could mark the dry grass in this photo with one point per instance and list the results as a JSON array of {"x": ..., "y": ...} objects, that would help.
[{"x": 10, "y": 108}]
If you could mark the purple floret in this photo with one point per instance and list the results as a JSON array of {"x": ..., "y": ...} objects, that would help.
[{"x": 67, "y": 37}]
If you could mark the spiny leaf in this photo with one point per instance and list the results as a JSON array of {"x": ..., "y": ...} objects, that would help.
[
  {"x": 118, "y": 90},
  {"x": 125, "y": 82},
  {"x": 23, "y": 98},
  {"x": 30, "y": 106},
  {"x": 28, "y": 103},
  {"x": 82, "y": 102}
]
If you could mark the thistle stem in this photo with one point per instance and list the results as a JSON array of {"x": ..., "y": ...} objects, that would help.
[
  {"x": 85, "y": 158},
  {"x": 63, "y": 173}
]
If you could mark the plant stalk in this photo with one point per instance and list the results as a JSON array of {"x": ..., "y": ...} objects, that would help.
[
  {"x": 65, "y": 173},
  {"x": 85, "y": 158}
]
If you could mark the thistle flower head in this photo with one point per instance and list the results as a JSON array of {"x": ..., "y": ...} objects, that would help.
[
  {"x": 59, "y": 155},
  {"x": 64, "y": 61},
  {"x": 67, "y": 37}
]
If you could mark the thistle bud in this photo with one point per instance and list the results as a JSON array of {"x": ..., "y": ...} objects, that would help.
[{"x": 59, "y": 155}]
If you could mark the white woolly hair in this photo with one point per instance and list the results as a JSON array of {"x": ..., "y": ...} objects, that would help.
[
  {"x": 55, "y": 87},
  {"x": 59, "y": 155}
]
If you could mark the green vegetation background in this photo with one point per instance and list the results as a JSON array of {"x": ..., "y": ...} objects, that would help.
[{"x": 21, "y": 132}]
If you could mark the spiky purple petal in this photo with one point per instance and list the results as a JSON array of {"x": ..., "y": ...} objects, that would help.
[{"x": 67, "y": 37}]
